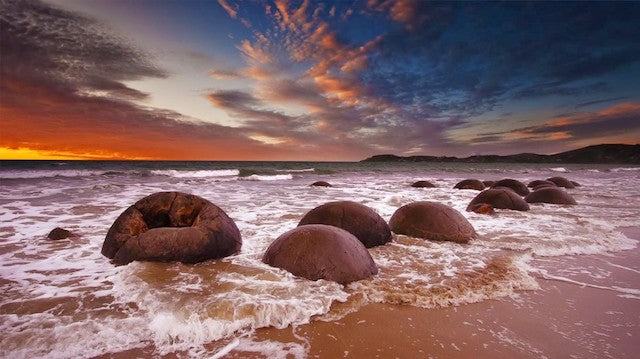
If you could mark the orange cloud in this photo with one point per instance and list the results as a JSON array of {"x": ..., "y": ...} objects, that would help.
[{"x": 233, "y": 13}]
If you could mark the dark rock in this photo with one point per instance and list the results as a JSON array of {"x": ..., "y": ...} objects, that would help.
[
  {"x": 60, "y": 233},
  {"x": 318, "y": 251},
  {"x": 431, "y": 220},
  {"x": 423, "y": 184},
  {"x": 552, "y": 195},
  {"x": 519, "y": 187},
  {"x": 575, "y": 184},
  {"x": 355, "y": 218},
  {"x": 561, "y": 182},
  {"x": 500, "y": 198},
  {"x": 544, "y": 186},
  {"x": 488, "y": 183},
  {"x": 171, "y": 226},
  {"x": 321, "y": 184},
  {"x": 470, "y": 184},
  {"x": 483, "y": 208},
  {"x": 538, "y": 183}
]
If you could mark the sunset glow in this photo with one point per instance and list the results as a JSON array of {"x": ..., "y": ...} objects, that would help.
[{"x": 307, "y": 80}]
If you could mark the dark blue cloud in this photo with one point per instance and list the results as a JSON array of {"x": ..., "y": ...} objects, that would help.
[{"x": 469, "y": 57}]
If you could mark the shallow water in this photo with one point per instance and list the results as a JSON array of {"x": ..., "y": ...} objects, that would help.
[{"x": 64, "y": 299}]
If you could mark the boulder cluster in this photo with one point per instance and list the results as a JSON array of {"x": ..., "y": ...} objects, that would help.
[
  {"x": 330, "y": 242},
  {"x": 512, "y": 194}
]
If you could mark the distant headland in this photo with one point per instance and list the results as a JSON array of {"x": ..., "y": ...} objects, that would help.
[{"x": 604, "y": 153}]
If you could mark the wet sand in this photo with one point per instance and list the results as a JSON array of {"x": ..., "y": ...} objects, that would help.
[
  {"x": 561, "y": 320},
  {"x": 579, "y": 318}
]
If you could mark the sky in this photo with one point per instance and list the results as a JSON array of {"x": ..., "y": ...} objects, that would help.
[{"x": 314, "y": 80}]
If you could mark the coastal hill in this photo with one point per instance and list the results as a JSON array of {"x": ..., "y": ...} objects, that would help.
[{"x": 605, "y": 153}]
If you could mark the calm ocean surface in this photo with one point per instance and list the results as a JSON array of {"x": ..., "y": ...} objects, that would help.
[{"x": 64, "y": 299}]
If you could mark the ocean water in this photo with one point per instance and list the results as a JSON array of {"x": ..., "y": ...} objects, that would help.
[{"x": 64, "y": 299}]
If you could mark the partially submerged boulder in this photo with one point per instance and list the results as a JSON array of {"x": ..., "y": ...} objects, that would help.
[
  {"x": 60, "y": 233},
  {"x": 432, "y": 220},
  {"x": 575, "y": 184},
  {"x": 470, "y": 184},
  {"x": 321, "y": 184},
  {"x": 554, "y": 195},
  {"x": 171, "y": 226},
  {"x": 519, "y": 187},
  {"x": 318, "y": 251},
  {"x": 561, "y": 182},
  {"x": 355, "y": 218},
  {"x": 500, "y": 198},
  {"x": 540, "y": 183},
  {"x": 423, "y": 184}
]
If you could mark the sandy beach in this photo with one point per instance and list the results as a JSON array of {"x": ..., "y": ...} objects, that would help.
[
  {"x": 571, "y": 317},
  {"x": 561, "y": 320},
  {"x": 554, "y": 281}
]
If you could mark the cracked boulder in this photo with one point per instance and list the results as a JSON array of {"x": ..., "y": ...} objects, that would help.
[
  {"x": 318, "y": 251},
  {"x": 499, "y": 198},
  {"x": 433, "y": 221},
  {"x": 355, "y": 218},
  {"x": 171, "y": 226}
]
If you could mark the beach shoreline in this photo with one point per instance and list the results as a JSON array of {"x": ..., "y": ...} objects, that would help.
[
  {"x": 559, "y": 320},
  {"x": 565, "y": 318}
]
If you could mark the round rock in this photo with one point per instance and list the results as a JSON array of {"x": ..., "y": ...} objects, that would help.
[
  {"x": 575, "y": 184},
  {"x": 361, "y": 221},
  {"x": 321, "y": 184},
  {"x": 423, "y": 184},
  {"x": 552, "y": 195},
  {"x": 540, "y": 183},
  {"x": 470, "y": 184},
  {"x": 499, "y": 198},
  {"x": 519, "y": 187},
  {"x": 171, "y": 226},
  {"x": 432, "y": 220},
  {"x": 60, "y": 233},
  {"x": 561, "y": 182},
  {"x": 318, "y": 251}
]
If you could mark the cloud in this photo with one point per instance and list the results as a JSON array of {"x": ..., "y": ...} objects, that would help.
[
  {"x": 62, "y": 83},
  {"x": 233, "y": 12},
  {"x": 597, "y": 102},
  {"x": 225, "y": 74},
  {"x": 618, "y": 120}
]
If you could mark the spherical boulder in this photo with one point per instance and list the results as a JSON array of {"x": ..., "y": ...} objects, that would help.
[
  {"x": 470, "y": 184},
  {"x": 423, "y": 184},
  {"x": 499, "y": 198},
  {"x": 552, "y": 195},
  {"x": 432, "y": 220},
  {"x": 488, "y": 183},
  {"x": 319, "y": 251},
  {"x": 539, "y": 183},
  {"x": 171, "y": 226},
  {"x": 361, "y": 221},
  {"x": 321, "y": 184},
  {"x": 561, "y": 182},
  {"x": 60, "y": 233},
  {"x": 519, "y": 187}
]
